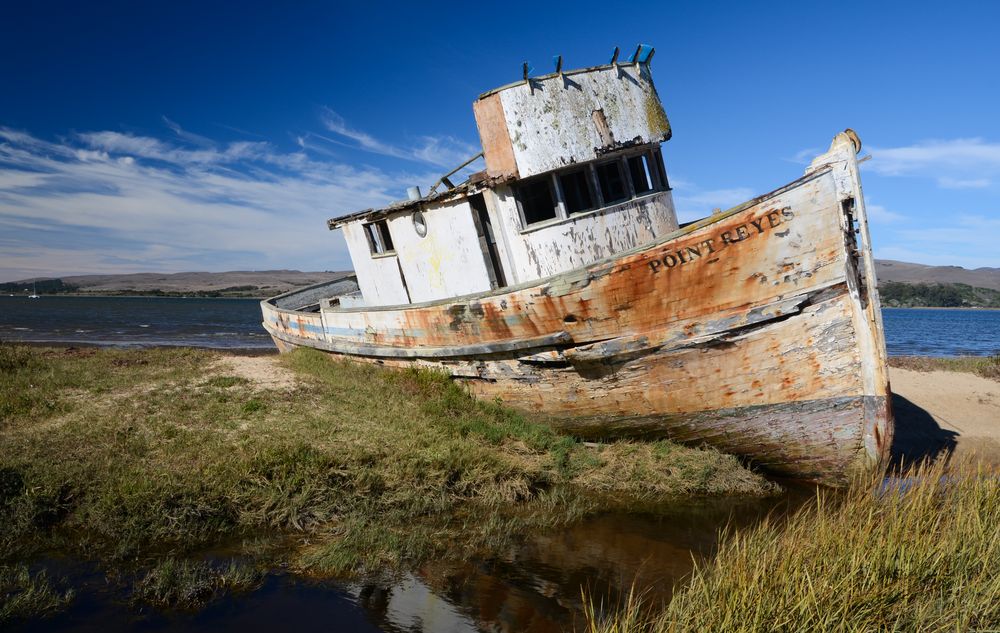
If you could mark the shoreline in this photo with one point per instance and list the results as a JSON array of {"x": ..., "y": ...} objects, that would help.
[
  {"x": 137, "y": 296},
  {"x": 271, "y": 349},
  {"x": 969, "y": 308},
  {"x": 265, "y": 297}
]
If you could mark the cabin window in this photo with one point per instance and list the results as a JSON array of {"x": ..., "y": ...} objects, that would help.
[
  {"x": 419, "y": 224},
  {"x": 589, "y": 186},
  {"x": 612, "y": 182},
  {"x": 575, "y": 186},
  {"x": 661, "y": 170},
  {"x": 536, "y": 201},
  {"x": 379, "y": 240},
  {"x": 642, "y": 175}
]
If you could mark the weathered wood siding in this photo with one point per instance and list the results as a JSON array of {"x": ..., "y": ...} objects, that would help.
[
  {"x": 497, "y": 149},
  {"x": 447, "y": 261},
  {"x": 581, "y": 239},
  {"x": 559, "y": 120},
  {"x": 378, "y": 275},
  {"x": 781, "y": 246}
]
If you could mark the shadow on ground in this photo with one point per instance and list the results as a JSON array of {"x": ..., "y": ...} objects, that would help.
[{"x": 918, "y": 435}]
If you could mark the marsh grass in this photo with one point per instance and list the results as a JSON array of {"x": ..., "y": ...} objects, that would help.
[
  {"x": 187, "y": 584},
  {"x": 26, "y": 595},
  {"x": 985, "y": 366},
  {"x": 118, "y": 455},
  {"x": 920, "y": 553}
]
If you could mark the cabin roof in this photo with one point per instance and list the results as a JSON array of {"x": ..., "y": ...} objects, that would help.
[
  {"x": 459, "y": 191},
  {"x": 479, "y": 180},
  {"x": 575, "y": 71}
]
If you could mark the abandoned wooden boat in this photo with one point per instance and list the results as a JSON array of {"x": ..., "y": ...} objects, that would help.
[{"x": 559, "y": 280}]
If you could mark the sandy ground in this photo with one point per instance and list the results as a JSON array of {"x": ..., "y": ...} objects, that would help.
[
  {"x": 942, "y": 410},
  {"x": 264, "y": 372}
]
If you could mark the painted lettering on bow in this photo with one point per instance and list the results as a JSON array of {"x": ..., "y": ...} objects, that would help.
[{"x": 687, "y": 253}]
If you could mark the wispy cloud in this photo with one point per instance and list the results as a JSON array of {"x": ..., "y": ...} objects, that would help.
[
  {"x": 336, "y": 124},
  {"x": 964, "y": 163},
  {"x": 440, "y": 151},
  {"x": 190, "y": 137},
  {"x": 805, "y": 156},
  {"x": 969, "y": 241},
  {"x": 111, "y": 202},
  {"x": 879, "y": 214},
  {"x": 957, "y": 183},
  {"x": 692, "y": 202}
]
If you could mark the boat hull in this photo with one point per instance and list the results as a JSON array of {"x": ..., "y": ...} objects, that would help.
[{"x": 756, "y": 331}]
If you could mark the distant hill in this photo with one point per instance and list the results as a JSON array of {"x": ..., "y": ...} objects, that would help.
[
  {"x": 896, "y": 294},
  {"x": 240, "y": 283},
  {"x": 889, "y": 270},
  {"x": 971, "y": 287},
  {"x": 902, "y": 284}
]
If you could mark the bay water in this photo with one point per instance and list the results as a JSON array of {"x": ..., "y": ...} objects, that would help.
[{"x": 236, "y": 324}]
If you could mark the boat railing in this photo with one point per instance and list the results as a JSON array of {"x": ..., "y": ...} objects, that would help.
[
  {"x": 311, "y": 298},
  {"x": 348, "y": 300}
]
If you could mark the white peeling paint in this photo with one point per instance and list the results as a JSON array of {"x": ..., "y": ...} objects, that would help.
[
  {"x": 447, "y": 262},
  {"x": 581, "y": 239},
  {"x": 378, "y": 276},
  {"x": 552, "y": 124}
]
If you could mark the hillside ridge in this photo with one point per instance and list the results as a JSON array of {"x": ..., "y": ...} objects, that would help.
[{"x": 271, "y": 282}]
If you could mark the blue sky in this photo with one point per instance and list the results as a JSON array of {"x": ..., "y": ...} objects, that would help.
[{"x": 172, "y": 136}]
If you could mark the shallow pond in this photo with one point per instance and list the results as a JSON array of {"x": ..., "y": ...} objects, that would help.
[{"x": 536, "y": 586}]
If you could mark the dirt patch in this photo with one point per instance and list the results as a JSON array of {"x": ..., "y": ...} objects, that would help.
[
  {"x": 947, "y": 410},
  {"x": 264, "y": 372}
]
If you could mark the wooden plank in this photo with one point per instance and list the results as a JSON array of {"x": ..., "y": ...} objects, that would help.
[{"x": 497, "y": 149}]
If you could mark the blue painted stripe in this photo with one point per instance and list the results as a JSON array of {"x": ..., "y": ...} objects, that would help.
[
  {"x": 344, "y": 331},
  {"x": 349, "y": 332}
]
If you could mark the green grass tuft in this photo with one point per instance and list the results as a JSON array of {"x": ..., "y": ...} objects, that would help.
[
  {"x": 115, "y": 454},
  {"x": 186, "y": 584},
  {"x": 24, "y": 595},
  {"x": 920, "y": 553},
  {"x": 985, "y": 366}
]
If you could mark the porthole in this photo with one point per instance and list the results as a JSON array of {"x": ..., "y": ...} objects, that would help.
[{"x": 419, "y": 223}]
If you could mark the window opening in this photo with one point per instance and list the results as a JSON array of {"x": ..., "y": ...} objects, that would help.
[
  {"x": 379, "y": 240},
  {"x": 576, "y": 191},
  {"x": 642, "y": 179},
  {"x": 536, "y": 201},
  {"x": 487, "y": 241},
  {"x": 661, "y": 170},
  {"x": 612, "y": 182},
  {"x": 419, "y": 224}
]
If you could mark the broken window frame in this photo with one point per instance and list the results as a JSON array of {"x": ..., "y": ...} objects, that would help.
[
  {"x": 661, "y": 170},
  {"x": 626, "y": 193},
  {"x": 588, "y": 180},
  {"x": 558, "y": 209},
  {"x": 654, "y": 169},
  {"x": 379, "y": 238},
  {"x": 646, "y": 171}
]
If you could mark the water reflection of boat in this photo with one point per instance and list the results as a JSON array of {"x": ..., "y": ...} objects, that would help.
[
  {"x": 559, "y": 280},
  {"x": 537, "y": 585}
]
